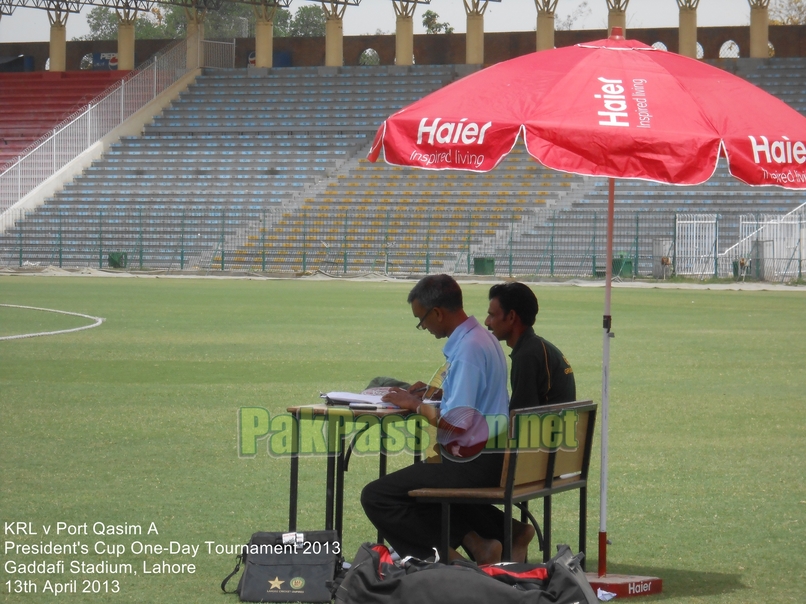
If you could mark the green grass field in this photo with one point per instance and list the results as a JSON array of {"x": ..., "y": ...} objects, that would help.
[{"x": 135, "y": 422}]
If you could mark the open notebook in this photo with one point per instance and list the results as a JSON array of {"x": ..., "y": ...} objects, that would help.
[
  {"x": 369, "y": 399},
  {"x": 357, "y": 400}
]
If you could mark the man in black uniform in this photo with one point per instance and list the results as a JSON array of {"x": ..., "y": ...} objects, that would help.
[{"x": 540, "y": 374}]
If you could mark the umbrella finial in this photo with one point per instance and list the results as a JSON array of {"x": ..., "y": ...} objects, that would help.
[{"x": 617, "y": 33}]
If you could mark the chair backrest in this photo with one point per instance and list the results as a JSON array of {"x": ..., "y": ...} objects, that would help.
[{"x": 549, "y": 443}]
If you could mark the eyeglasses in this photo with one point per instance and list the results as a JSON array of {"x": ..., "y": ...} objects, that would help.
[{"x": 425, "y": 316}]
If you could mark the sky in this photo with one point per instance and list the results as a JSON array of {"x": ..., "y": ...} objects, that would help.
[{"x": 31, "y": 25}]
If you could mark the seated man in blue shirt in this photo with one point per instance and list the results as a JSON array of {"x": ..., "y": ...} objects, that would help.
[{"x": 474, "y": 385}]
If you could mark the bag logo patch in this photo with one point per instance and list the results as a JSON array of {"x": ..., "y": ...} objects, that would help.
[{"x": 297, "y": 583}]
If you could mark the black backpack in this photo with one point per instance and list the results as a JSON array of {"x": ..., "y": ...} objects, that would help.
[{"x": 288, "y": 567}]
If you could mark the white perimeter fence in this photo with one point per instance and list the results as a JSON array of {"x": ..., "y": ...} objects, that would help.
[
  {"x": 770, "y": 247},
  {"x": 696, "y": 244}
]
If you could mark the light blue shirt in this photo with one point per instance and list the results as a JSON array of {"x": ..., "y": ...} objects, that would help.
[{"x": 477, "y": 371}]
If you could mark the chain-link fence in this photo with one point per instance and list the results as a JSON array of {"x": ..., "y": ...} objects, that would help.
[
  {"x": 143, "y": 237},
  {"x": 406, "y": 242}
]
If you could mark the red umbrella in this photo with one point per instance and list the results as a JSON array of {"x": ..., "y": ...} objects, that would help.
[{"x": 615, "y": 108}]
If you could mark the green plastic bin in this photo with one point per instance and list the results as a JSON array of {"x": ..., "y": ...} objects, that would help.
[
  {"x": 118, "y": 260},
  {"x": 622, "y": 267},
  {"x": 483, "y": 266}
]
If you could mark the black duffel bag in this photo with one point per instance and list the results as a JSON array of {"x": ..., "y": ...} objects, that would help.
[
  {"x": 375, "y": 579},
  {"x": 288, "y": 567}
]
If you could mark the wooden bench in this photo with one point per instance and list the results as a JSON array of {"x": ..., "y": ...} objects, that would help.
[{"x": 548, "y": 452}]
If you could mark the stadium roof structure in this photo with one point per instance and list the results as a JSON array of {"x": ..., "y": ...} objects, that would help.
[
  {"x": 268, "y": 3},
  {"x": 338, "y": 2},
  {"x": 405, "y": 8},
  {"x": 74, "y": 6}
]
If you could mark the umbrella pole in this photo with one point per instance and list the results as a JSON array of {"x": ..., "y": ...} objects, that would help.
[{"x": 607, "y": 335}]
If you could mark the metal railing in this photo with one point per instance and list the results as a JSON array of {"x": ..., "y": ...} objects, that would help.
[
  {"x": 87, "y": 126},
  {"x": 697, "y": 245},
  {"x": 402, "y": 242},
  {"x": 218, "y": 55},
  {"x": 572, "y": 243},
  {"x": 771, "y": 247}
]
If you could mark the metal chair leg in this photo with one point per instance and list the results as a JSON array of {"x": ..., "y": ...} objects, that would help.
[
  {"x": 527, "y": 515},
  {"x": 446, "y": 533}
]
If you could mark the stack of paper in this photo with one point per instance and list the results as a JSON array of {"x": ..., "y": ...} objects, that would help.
[{"x": 357, "y": 401}]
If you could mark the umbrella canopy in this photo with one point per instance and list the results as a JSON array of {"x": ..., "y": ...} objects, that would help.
[{"x": 615, "y": 108}]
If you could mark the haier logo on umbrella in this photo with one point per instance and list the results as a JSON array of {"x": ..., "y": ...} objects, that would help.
[
  {"x": 452, "y": 132},
  {"x": 615, "y": 103},
  {"x": 780, "y": 152}
]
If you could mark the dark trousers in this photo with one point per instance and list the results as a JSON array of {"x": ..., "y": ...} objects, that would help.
[{"x": 413, "y": 529}]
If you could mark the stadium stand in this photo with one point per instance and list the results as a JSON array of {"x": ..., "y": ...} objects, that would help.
[
  {"x": 32, "y": 104},
  {"x": 566, "y": 243},
  {"x": 525, "y": 219},
  {"x": 563, "y": 243},
  {"x": 235, "y": 148},
  {"x": 406, "y": 220},
  {"x": 783, "y": 78},
  {"x": 264, "y": 171}
]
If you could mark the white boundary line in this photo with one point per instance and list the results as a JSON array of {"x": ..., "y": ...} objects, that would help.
[{"x": 98, "y": 321}]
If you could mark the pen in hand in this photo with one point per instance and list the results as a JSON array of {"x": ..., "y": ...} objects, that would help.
[{"x": 402, "y": 399}]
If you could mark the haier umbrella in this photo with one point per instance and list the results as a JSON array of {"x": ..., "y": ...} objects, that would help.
[{"x": 615, "y": 108}]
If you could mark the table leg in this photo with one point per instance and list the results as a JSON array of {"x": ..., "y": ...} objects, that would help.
[
  {"x": 340, "y": 469},
  {"x": 330, "y": 488},
  {"x": 292, "y": 511},
  {"x": 294, "y": 486},
  {"x": 381, "y": 467}
]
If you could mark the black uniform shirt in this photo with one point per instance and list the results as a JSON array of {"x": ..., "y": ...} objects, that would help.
[{"x": 541, "y": 374}]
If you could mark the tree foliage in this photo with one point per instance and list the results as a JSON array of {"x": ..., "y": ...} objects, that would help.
[
  {"x": 432, "y": 26},
  {"x": 308, "y": 22},
  {"x": 103, "y": 23},
  {"x": 281, "y": 22},
  {"x": 580, "y": 14},
  {"x": 788, "y": 12},
  {"x": 233, "y": 20}
]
